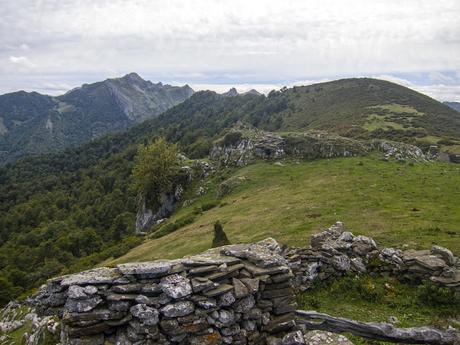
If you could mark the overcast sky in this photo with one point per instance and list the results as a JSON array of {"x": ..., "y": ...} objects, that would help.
[{"x": 54, "y": 45}]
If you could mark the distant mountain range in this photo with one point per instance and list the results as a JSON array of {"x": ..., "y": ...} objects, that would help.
[
  {"x": 233, "y": 92},
  {"x": 453, "y": 105},
  {"x": 32, "y": 123}
]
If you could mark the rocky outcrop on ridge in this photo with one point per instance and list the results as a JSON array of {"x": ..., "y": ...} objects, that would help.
[
  {"x": 146, "y": 217},
  {"x": 249, "y": 144}
]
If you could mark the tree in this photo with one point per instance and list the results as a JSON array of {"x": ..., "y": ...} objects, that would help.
[
  {"x": 155, "y": 170},
  {"x": 6, "y": 291},
  {"x": 220, "y": 238}
]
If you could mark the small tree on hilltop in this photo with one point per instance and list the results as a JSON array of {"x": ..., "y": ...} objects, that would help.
[
  {"x": 220, "y": 238},
  {"x": 155, "y": 170}
]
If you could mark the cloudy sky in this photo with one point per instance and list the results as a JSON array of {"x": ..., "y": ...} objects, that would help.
[{"x": 54, "y": 45}]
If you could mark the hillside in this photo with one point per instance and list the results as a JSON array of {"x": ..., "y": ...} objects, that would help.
[
  {"x": 31, "y": 123},
  {"x": 70, "y": 210},
  {"x": 412, "y": 204}
]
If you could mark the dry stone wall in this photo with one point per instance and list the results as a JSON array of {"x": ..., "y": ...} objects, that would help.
[
  {"x": 237, "y": 294},
  {"x": 232, "y": 295},
  {"x": 336, "y": 252}
]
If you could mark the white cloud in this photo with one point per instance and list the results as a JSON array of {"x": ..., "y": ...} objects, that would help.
[
  {"x": 21, "y": 62},
  {"x": 239, "y": 41}
]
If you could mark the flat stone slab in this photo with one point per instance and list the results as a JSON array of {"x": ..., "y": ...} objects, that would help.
[
  {"x": 449, "y": 281},
  {"x": 103, "y": 275},
  {"x": 258, "y": 271},
  {"x": 424, "y": 259},
  {"x": 219, "y": 290},
  {"x": 150, "y": 268},
  {"x": 264, "y": 253},
  {"x": 210, "y": 258}
]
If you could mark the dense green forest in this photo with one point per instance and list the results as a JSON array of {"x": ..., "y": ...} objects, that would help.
[{"x": 68, "y": 211}]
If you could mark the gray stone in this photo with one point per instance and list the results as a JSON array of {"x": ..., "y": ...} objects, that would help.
[
  {"x": 251, "y": 284},
  {"x": 152, "y": 269},
  {"x": 128, "y": 288},
  {"x": 119, "y": 306},
  {"x": 147, "y": 315},
  {"x": 178, "y": 309},
  {"x": 227, "y": 317},
  {"x": 221, "y": 289},
  {"x": 77, "y": 292},
  {"x": 263, "y": 254},
  {"x": 341, "y": 263},
  {"x": 445, "y": 254},
  {"x": 200, "y": 284},
  {"x": 240, "y": 289},
  {"x": 226, "y": 299},
  {"x": 93, "y": 315},
  {"x": 294, "y": 338},
  {"x": 82, "y": 305},
  {"x": 176, "y": 286},
  {"x": 232, "y": 330},
  {"x": 346, "y": 236},
  {"x": 245, "y": 304},
  {"x": 357, "y": 265},
  {"x": 102, "y": 275}
]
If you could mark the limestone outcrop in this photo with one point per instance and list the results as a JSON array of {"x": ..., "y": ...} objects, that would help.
[{"x": 248, "y": 144}]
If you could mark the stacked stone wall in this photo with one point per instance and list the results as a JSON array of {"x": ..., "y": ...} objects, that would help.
[
  {"x": 236, "y": 294},
  {"x": 232, "y": 295}
]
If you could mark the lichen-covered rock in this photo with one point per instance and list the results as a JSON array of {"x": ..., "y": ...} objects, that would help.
[
  {"x": 176, "y": 286},
  {"x": 325, "y": 338},
  {"x": 177, "y": 309},
  {"x": 95, "y": 276},
  {"x": 294, "y": 338},
  {"x": 445, "y": 254},
  {"x": 146, "y": 314},
  {"x": 82, "y": 305},
  {"x": 151, "y": 269}
]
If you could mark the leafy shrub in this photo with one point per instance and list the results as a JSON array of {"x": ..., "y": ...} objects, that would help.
[
  {"x": 446, "y": 142},
  {"x": 155, "y": 170},
  {"x": 435, "y": 295},
  {"x": 232, "y": 138},
  {"x": 199, "y": 149},
  {"x": 209, "y": 205}
]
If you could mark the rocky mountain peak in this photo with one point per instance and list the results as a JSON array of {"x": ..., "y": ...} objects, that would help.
[
  {"x": 231, "y": 93},
  {"x": 133, "y": 76}
]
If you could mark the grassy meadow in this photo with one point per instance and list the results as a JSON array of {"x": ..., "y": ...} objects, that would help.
[{"x": 411, "y": 204}]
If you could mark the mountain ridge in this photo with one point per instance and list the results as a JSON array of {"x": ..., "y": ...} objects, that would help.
[
  {"x": 453, "y": 105},
  {"x": 32, "y": 123}
]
